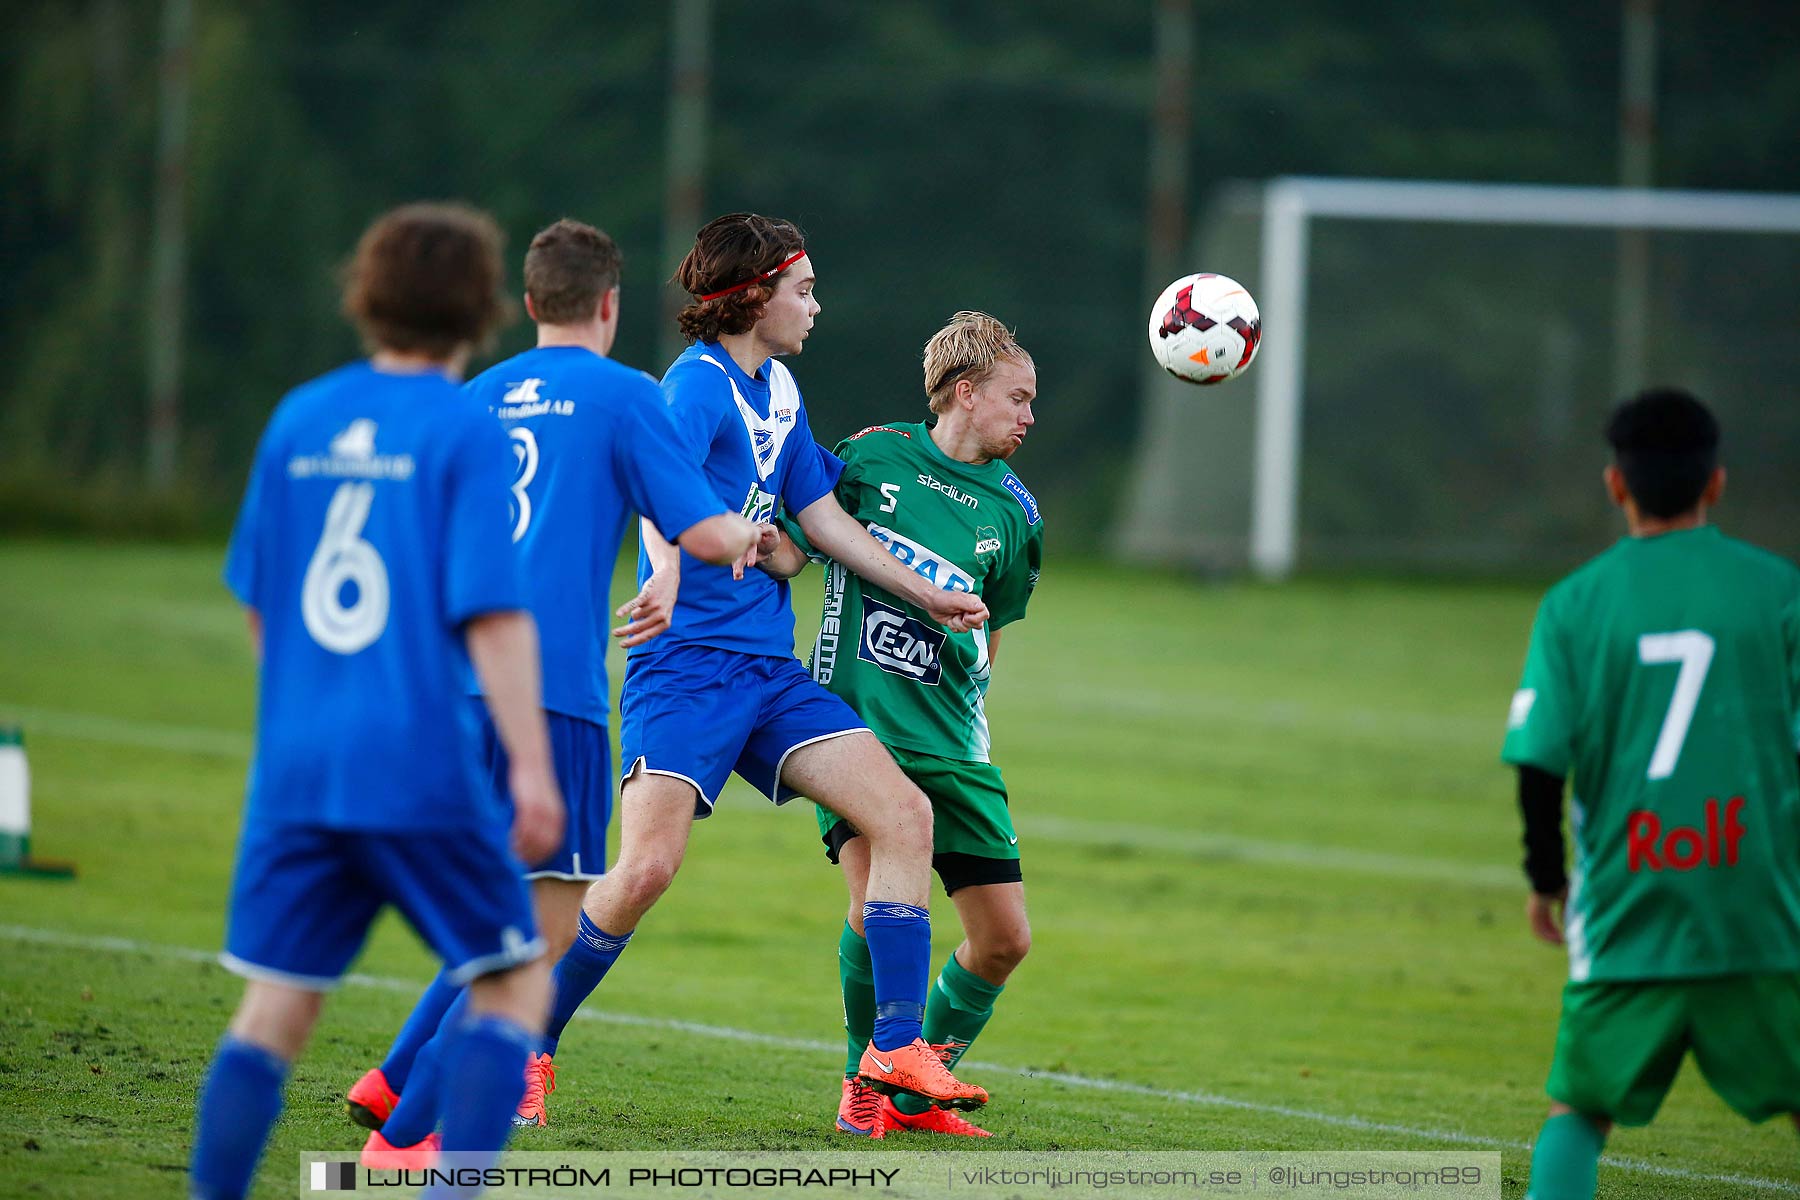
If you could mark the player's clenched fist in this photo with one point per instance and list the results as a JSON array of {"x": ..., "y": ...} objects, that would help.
[{"x": 958, "y": 611}]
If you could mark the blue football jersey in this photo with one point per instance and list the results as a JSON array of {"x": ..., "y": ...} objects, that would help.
[
  {"x": 592, "y": 443},
  {"x": 758, "y": 454},
  {"x": 374, "y": 525}
]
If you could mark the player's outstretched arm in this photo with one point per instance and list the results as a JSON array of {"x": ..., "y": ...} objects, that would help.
[
  {"x": 503, "y": 646},
  {"x": 720, "y": 540},
  {"x": 649, "y": 613},
  {"x": 778, "y": 555},
  {"x": 837, "y": 534}
]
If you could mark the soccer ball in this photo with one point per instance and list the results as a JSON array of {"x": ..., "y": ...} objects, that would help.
[{"x": 1205, "y": 328}]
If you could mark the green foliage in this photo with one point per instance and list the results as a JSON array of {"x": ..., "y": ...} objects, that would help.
[
  {"x": 940, "y": 156},
  {"x": 1269, "y": 851}
]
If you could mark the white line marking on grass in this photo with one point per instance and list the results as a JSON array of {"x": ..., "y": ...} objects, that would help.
[
  {"x": 121, "y": 731},
  {"x": 1154, "y": 839},
  {"x": 75, "y": 941}
]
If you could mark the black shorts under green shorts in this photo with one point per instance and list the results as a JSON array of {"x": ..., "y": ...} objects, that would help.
[
  {"x": 1620, "y": 1044},
  {"x": 973, "y": 841}
]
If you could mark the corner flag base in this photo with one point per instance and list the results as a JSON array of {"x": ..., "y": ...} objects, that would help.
[
  {"x": 15, "y": 859},
  {"x": 46, "y": 868}
]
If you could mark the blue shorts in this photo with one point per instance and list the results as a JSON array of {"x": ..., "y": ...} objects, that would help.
[
  {"x": 699, "y": 713},
  {"x": 582, "y": 759},
  {"x": 304, "y": 897}
]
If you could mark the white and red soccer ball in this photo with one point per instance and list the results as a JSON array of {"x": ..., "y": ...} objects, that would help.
[{"x": 1205, "y": 328}]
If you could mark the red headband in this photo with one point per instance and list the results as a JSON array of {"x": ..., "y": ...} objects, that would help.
[{"x": 773, "y": 271}]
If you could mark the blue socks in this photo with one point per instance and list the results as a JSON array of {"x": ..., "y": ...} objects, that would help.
[
  {"x": 899, "y": 937},
  {"x": 484, "y": 1079},
  {"x": 417, "y": 1113},
  {"x": 238, "y": 1105},
  {"x": 586, "y": 963},
  {"x": 427, "y": 1015},
  {"x": 590, "y": 956},
  {"x": 1565, "y": 1163}
]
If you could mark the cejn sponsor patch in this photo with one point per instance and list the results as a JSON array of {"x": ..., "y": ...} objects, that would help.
[
  {"x": 900, "y": 645},
  {"x": 941, "y": 570}
]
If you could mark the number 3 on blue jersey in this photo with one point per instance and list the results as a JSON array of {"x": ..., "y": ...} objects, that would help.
[
  {"x": 343, "y": 557},
  {"x": 525, "y": 449}
]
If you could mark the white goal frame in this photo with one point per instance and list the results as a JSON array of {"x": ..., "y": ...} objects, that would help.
[{"x": 1290, "y": 204}]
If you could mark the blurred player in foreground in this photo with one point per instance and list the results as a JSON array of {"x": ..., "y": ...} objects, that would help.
[
  {"x": 592, "y": 443},
  {"x": 942, "y": 499},
  {"x": 721, "y": 691},
  {"x": 1665, "y": 676},
  {"x": 374, "y": 555}
]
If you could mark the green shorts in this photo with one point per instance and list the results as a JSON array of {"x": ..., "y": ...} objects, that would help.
[
  {"x": 1620, "y": 1044},
  {"x": 973, "y": 841}
]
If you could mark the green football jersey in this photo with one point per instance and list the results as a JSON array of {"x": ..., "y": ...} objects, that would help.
[
  {"x": 967, "y": 528},
  {"x": 1664, "y": 677}
]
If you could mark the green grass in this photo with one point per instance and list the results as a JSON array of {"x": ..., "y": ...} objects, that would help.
[{"x": 1269, "y": 855}]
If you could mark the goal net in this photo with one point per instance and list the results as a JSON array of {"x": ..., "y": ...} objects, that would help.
[{"x": 1438, "y": 360}]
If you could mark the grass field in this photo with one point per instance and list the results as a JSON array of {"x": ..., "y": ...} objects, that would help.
[{"x": 1269, "y": 852}]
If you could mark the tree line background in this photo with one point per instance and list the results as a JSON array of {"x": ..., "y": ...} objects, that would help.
[{"x": 940, "y": 155}]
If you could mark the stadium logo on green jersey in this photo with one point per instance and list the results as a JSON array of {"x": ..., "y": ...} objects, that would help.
[
  {"x": 949, "y": 489},
  {"x": 900, "y": 645}
]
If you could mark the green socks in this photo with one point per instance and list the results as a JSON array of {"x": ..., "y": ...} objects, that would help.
[
  {"x": 958, "y": 1008},
  {"x": 1565, "y": 1163},
  {"x": 857, "y": 975},
  {"x": 956, "y": 1012}
]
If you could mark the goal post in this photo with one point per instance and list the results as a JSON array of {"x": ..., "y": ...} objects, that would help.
[{"x": 1291, "y": 213}]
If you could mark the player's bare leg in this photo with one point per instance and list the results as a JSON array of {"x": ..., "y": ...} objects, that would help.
[
  {"x": 557, "y": 905},
  {"x": 656, "y": 814},
  {"x": 277, "y": 1016},
  {"x": 241, "y": 1096},
  {"x": 854, "y": 777}
]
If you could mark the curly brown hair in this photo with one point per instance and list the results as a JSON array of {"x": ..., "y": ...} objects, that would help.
[
  {"x": 731, "y": 251},
  {"x": 568, "y": 268},
  {"x": 426, "y": 279}
]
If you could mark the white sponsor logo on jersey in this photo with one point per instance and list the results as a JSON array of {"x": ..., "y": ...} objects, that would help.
[
  {"x": 351, "y": 455},
  {"x": 1522, "y": 701},
  {"x": 900, "y": 645},
  {"x": 949, "y": 489},
  {"x": 825, "y": 649},
  {"x": 522, "y": 400},
  {"x": 939, "y": 569}
]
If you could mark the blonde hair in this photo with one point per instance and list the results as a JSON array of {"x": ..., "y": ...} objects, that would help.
[{"x": 967, "y": 348}]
